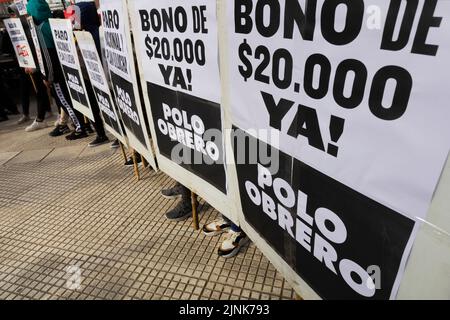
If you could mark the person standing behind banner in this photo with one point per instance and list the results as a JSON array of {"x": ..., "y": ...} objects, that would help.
[
  {"x": 84, "y": 17},
  {"x": 40, "y": 11},
  {"x": 28, "y": 77},
  {"x": 235, "y": 238}
]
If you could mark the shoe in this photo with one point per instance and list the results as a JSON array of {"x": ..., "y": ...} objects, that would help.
[
  {"x": 36, "y": 126},
  {"x": 182, "y": 211},
  {"x": 173, "y": 193},
  {"x": 115, "y": 144},
  {"x": 98, "y": 141},
  {"x": 232, "y": 244},
  {"x": 59, "y": 130},
  {"x": 24, "y": 118},
  {"x": 89, "y": 129},
  {"x": 75, "y": 135},
  {"x": 216, "y": 227},
  {"x": 130, "y": 162}
]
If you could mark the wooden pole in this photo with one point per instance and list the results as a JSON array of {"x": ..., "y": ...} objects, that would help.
[
  {"x": 144, "y": 162},
  {"x": 123, "y": 151},
  {"x": 34, "y": 84},
  {"x": 194, "y": 210},
  {"x": 135, "y": 165}
]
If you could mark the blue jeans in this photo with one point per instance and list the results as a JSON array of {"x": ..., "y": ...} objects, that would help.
[{"x": 234, "y": 227}]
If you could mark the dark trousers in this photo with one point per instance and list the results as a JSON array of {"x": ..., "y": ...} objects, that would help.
[
  {"x": 43, "y": 102},
  {"x": 62, "y": 97},
  {"x": 6, "y": 103},
  {"x": 98, "y": 122}
]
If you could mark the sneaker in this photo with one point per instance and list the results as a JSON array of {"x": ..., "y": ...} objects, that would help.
[
  {"x": 115, "y": 144},
  {"x": 216, "y": 227},
  {"x": 98, "y": 141},
  {"x": 59, "y": 130},
  {"x": 36, "y": 126},
  {"x": 182, "y": 211},
  {"x": 173, "y": 193},
  {"x": 75, "y": 135},
  {"x": 130, "y": 163},
  {"x": 24, "y": 118},
  {"x": 232, "y": 244}
]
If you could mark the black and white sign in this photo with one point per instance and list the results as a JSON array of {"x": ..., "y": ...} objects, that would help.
[
  {"x": 99, "y": 84},
  {"x": 176, "y": 42},
  {"x": 68, "y": 57},
  {"x": 120, "y": 59},
  {"x": 357, "y": 91},
  {"x": 37, "y": 45},
  {"x": 342, "y": 243},
  {"x": 20, "y": 43}
]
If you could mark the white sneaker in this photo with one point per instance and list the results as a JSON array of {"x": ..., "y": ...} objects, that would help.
[
  {"x": 216, "y": 227},
  {"x": 24, "y": 118},
  {"x": 36, "y": 126},
  {"x": 232, "y": 244}
]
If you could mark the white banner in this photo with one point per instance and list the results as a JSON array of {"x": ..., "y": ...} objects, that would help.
[
  {"x": 120, "y": 59},
  {"x": 21, "y": 6},
  {"x": 177, "y": 48},
  {"x": 37, "y": 46},
  {"x": 99, "y": 84},
  {"x": 20, "y": 43},
  {"x": 357, "y": 91},
  {"x": 68, "y": 57}
]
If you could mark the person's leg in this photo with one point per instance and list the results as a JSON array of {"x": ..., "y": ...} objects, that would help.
[
  {"x": 183, "y": 209},
  {"x": 98, "y": 121},
  {"x": 216, "y": 227},
  {"x": 63, "y": 99},
  {"x": 43, "y": 102},
  {"x": 3, "y": 115},
  {"x": 25, "y": 92}
]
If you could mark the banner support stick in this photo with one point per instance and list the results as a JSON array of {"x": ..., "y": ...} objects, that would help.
[
  {"x": 194, "y": 210},
  {"x": 34, "y": 84},
  {"x": 123, "y": 151},
  {"x": 135, "y": 165}
]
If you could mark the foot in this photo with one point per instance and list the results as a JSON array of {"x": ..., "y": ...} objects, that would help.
[
  {"x": 59, "y": 130},
  {"x": 232, "y": 244},
  {"x": 98, "y": 141},
  {"x": 24, "y": 118},
  {"x": 89, "y": 129},
  {"x": 130, "y": 162},
  {"x": 216, "y": 227},
  {"x": 182, "y": 211},
  {"x": 36, "y": 125},
  {"x": 173, "y": 193},
  {"x": 75, "y": 135},
  {"x": 115, "y": 144}
]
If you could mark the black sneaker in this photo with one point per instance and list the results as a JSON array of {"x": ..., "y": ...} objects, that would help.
[
  {"x": 174, "y": 192},
  {"x": 75, "y": 135},
  {"x": 59, "y": 130},
  {"x": 98, "y": 141},
  {"x": 181, "y": 212},
  {"x": 130, "y": 162},
  {"x": 232, "y": 244},
  {"x": 115, "y": 144}
]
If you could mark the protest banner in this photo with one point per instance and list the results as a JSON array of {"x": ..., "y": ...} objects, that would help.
[
  {"x": 177, "y": 49},
  {"x": 121, "y": 64},
  {"x": 68, "y": 57},
  {"x": 356, "y": 91},
  {"x": 21, "y": 6},
  {"x": 20, "y": 43},
  {"x": 99, "y": 84},
  {"x": 37, "y": 45}
]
